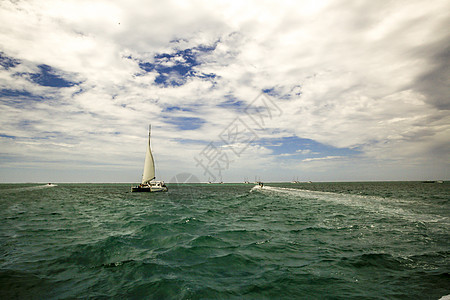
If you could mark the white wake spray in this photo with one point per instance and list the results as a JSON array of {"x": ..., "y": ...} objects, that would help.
[{"x": 374, "y": 204}]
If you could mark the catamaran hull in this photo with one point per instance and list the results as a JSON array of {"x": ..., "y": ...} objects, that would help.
[{"x": 146, "y": 189}]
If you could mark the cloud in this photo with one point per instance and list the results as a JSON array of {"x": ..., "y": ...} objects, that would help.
[
  {"x": 321, "y": 158},
  {"x": 303, "y": 151},
  {"x": 81, "y": 80},
  {"x": 434, "y": 83}
]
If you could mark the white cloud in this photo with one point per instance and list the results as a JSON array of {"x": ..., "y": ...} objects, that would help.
[
  {"x": 345, "y": 74},
  {"x": 320, "y": 158},
  {"x": 303, "y": 151}
]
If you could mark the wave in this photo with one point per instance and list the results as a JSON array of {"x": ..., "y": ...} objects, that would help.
[
  {"x": 432, "y": 262},
  {"x": 375, "y": 260},
  {"x": 16, "y": 284},
  {"x": 117, "y": 263},
  {"x": 210, "y": 241}
]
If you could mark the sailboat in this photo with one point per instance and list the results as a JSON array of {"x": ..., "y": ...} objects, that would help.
[{"x": 148, "y": 183}]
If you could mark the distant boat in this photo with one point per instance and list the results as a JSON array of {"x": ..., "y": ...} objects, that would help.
[{"x": 148, "y": 183}]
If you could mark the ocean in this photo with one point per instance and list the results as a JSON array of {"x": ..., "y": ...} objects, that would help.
[{"x": 359, "y": 240}]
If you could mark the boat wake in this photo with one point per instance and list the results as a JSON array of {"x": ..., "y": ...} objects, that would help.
[
  {"x": 50, "y": 185},
  {"x": 28, "y": 188},
  {"x": 374, "y": 204},
  {"x": 255, "y": 188}
]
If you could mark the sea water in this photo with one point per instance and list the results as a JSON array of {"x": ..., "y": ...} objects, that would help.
[{"x": 377, "y": 240}]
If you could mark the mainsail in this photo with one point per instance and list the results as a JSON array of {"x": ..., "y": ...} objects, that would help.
[{"x": 149, "y": 165}]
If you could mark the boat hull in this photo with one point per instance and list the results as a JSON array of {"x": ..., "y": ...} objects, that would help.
[
  {"x": 147, "y": 190},
  {"x": 137, "y": 189}
]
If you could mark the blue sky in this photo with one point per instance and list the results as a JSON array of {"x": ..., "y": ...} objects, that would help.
[{"x": 319, "y": 90}]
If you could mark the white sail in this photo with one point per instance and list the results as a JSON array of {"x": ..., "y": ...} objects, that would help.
[{"x": 149, "y": 165}]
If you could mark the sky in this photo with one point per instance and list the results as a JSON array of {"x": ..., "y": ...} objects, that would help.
[{"x": 234, "y": 90}]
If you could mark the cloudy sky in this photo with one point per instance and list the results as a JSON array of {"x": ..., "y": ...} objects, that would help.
[{"x": 314, "y": 90}]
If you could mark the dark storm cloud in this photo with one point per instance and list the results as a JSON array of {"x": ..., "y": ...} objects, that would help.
[{"x": 435, "y": 83}]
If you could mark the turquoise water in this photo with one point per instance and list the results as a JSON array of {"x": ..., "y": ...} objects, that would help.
[{"x": 308, "y": 241}]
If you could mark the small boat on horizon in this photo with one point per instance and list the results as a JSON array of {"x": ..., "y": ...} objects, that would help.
[{"x": 148, "y": 184}]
